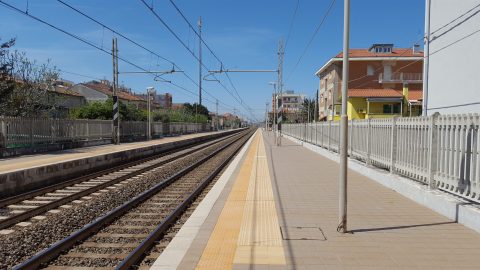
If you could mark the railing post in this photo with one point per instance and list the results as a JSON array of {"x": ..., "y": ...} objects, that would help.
[
  {"x": 369, "y": 140},
  {"x": 52, "y": 131},
  {"x": 3, "y": 134},
  {"x": 87, "y": 127},
  {"x": 432, "y": 150},
  {"x": 350, "y": 143},
  {"x": 316, "y": 133},
  {"x": 393, "y": 145},
  {"x": 329, "y": 134},
  {"x": 31, "y": 132}
]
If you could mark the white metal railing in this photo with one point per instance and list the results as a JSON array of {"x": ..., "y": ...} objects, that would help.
[
  {"x": 401, "y": 77},
  {"x": 442, "y": 151},
  {"x": 16, "y": 132}
]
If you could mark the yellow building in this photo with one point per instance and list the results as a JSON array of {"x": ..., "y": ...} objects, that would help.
[
  {"x": 383, "y": 103},
  {"x": 380, "y": 103}
]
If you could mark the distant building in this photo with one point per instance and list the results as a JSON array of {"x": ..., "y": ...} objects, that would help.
[
  {"x": 101, "y": 91},
  {"x": 63, "y": 99},
  {"x": 384, "y": 81},
  {"x": 163, "y": 100},
  {"x": 66, "y": 98},
  {"x": 177, "y": 106},
  {"x": 292, "y": 105},
  {"x": 453, "y": 78}
]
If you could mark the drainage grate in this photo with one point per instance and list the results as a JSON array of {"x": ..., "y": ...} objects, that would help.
[{"x": 302, "y": 233}]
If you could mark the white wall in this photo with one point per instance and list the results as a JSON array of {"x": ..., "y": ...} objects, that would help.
[{"x": 454, "y": 80}]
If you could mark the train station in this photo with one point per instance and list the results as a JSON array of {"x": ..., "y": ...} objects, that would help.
[{"x": 212, "y": 135}]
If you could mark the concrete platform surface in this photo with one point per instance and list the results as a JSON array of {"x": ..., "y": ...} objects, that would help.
[
  {"x": 25, "y": 173},
  {"x": 279, "y": 210},
  {"x": 42, "y": 159}
]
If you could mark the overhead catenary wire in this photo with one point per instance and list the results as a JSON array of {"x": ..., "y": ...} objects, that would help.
[
  {"x": 130, "y": 40},
  {"x": 433, "y": 32},
  {"x": 88, "y": 43},
  {"x": 192, "y": 28},
  {"x": 292, "y": 23},
  {"x": 238, "y": 99},
  {"x": 312, "y": 38}
]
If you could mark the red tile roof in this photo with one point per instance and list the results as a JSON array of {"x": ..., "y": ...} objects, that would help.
[
  {"x": 107, "y": 90},
  {"x": 374, "y": 93},
  {"x": 396, "y": 52},
  {"x": 415, "y": 95},
  {"x": 66, "y": 91},
  {"x": 384, "y": 93}
]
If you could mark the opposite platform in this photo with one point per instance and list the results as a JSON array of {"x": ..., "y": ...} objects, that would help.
[
  {"x": 245, "y": 230},
  {"x": 22, "y": 173}
]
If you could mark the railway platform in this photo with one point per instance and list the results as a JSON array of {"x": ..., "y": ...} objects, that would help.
[
  {"x": 21, "y": 173},
  {"x": 277, "y": 208}
]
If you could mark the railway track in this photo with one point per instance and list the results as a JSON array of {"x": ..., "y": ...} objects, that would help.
[
  {"x": 31, "y": 204},
  {"x": 123, "y": 236}
]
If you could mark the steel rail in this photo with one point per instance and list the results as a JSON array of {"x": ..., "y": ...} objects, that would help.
[
  {"x": 57, "y": 248},
  {"x": 139, "y": 252},
  {"x": 54, "y": 204}
]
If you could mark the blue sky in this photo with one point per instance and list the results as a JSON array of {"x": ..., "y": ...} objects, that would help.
[{"x": 243, "y": 34}]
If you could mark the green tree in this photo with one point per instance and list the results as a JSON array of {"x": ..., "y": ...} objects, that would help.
[
  {"x": 104, "y": 111},
  {"x": 25, "y": 85},
  {"x": 195, "y": 108},
  {"x": 7, "y": 84}
]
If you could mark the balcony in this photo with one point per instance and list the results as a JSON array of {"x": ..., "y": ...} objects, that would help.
[{"x": 400, "y": 78}]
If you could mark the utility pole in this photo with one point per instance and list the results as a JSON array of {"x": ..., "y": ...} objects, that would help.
[
  {"x": 308, "y": 112},
  {"x": 281, "y": 53},
  {"x": 266, "y": 116},
  {"x": 200, "y": 61},
  {"x": 426, "y": 58},
  {"x": 116, "y": 115},
  {"x": 234, "y": 117},
  {"x": 274, "y": 111},
  {"x": 216, "y": 115},
  {"x": 342, "y": 226},
  {"x": 315, "y": 114}
]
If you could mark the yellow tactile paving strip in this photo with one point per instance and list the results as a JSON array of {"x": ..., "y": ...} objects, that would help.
[
  {"x": 247, "y": 231},
  {"x": 260, "y": 241}
]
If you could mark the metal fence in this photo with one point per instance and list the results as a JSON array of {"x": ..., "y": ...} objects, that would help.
[
  {"x": 18, "y": 132},
  {"x": 442, "y": 151}
]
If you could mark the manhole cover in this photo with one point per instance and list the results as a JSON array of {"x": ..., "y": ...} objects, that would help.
[{"x": 302, "y": 233}]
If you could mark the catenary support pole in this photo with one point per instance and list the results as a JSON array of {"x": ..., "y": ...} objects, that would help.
[
  {"x": 281, "y": 54},
  {"x": 116, "y": 114},
  {"x": 200, "y": 61},
  {"x": 342, "y": 226},
  {"x": 426, "y": 58},
  {"x": 266, "y": 116}
]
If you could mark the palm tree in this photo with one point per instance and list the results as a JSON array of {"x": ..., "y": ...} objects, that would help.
[{"x": 308, "y": 109}]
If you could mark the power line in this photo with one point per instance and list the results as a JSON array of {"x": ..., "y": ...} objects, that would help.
[
  {"x": 435, "y": 31},
  {"x": 133, "y": 42},
  {"x": 88, "y": 43},
  {"x": 239, "y": 99},
  {"x": 312, "y": 38},
  {"x": 291, "y": 23},
  {"x": 114, "y": 31}
]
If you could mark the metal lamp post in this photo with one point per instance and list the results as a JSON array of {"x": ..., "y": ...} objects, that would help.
[{"x": 342, "y": 226}]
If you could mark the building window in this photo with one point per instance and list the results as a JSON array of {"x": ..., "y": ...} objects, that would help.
[
  {"x": 391, "y": 108},
  {"x": 370, "y": 70}
]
